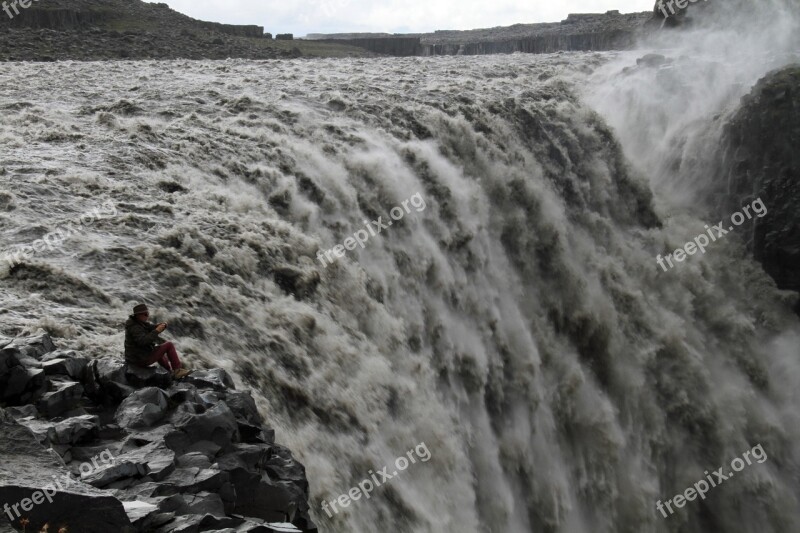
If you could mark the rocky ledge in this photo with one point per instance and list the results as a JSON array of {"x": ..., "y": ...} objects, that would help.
[
  {"x": 578, "y": 32},
  {"x": 92, "y": 30},
  {"x": 758, "y": 159},
  {"x": 96, "y": 446}
]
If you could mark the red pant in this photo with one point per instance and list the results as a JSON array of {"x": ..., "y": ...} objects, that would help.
[{"x": 166, "y": 356}]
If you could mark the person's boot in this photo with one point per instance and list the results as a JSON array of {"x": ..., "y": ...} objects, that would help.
[{"x": 180, "y": 373}]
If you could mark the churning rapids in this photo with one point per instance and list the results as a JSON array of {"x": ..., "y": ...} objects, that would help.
[{"x": 518, "y": 326}]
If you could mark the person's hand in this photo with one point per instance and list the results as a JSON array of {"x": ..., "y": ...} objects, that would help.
[{"x": 161, "y": 327}]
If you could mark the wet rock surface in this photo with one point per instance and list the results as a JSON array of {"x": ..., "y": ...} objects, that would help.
[
  {"x": 133, "y": 451},
  {"x": 759, "y": 159}
]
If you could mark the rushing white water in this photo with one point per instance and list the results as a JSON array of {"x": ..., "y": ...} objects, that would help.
[
  {"x": 518, "y": 325},
  {"x": 669, "y": 119}
]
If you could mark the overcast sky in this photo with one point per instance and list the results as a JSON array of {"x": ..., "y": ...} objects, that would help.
[{"x": 394, "y": 16}]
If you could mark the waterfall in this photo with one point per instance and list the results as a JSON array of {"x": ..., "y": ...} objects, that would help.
[{"x": 518, "y": 326}]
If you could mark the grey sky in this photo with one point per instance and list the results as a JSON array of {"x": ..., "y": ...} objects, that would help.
[{"x": 326, "y": 16}]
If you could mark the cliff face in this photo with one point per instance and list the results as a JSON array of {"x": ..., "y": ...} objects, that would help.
[
  {"x": 612, "y": 40},
  {"x": 56, "y": 18},
  {"x": 59, "y": 16},
  {"x": 759, "y": 158},
  {"x": 390, "y": 46},
  {"x": 132, "y": 29},
  {"x": 579, "y": 32},
  {"x": 231, "y": 29}
]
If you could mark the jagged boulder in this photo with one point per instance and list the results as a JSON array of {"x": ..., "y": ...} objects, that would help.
[
  {"x": 72, "y": 367},
  {"x": 216, "y": 379},
  {"x": 28, "y": 476},
  {"x": 23, "y": 411},
  {"x": 145, "y": 516},
  {"x": 244, "y": 407},
  {"x": 258, "y": 496},
  {"x": 183, "y": 392},
  {"x": 282, "y": 465},
  {"x": 71, "y": 431},
  {"x": 216, "y": 424},
  {"x": 248, "y": 419},
  {"x": 104, "y": 381},
  {"x": 116, "y": 472},
  {"x": 62, "y": 396},
  {"x": 192, "y": 480},
  {"x": 21, "y": 382},
  {"x": 159, "y": 459},
  {"x": 155, "y": 376},
  {"x": 204, "y": 503},
  {"x": 60, "y": 354},
  {"x": 194, "y": 459},
  {"x": 35, "y": 347},
  {"x": 143, "y": 408}
]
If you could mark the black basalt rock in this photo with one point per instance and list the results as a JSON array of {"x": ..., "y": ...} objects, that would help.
[
  {"x": 758, "y": 159},
  {"x": 27, "y": 469},
  {"x": 145, "y": 453}
]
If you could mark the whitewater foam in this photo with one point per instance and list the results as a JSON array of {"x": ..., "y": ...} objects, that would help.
[{"x": 517, "y": 326}]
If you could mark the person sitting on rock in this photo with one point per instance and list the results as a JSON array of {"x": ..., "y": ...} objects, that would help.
[{"x": 143, "y": 346}]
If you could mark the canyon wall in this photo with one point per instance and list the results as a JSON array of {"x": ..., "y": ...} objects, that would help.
[
  {"x": 614, "y": 40},
  {"x": 232, "y": 29},
  {"x": 578, "y": 32},
  {"x": 390, "y": 46},
  {"x": 55, "y": 19}
]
